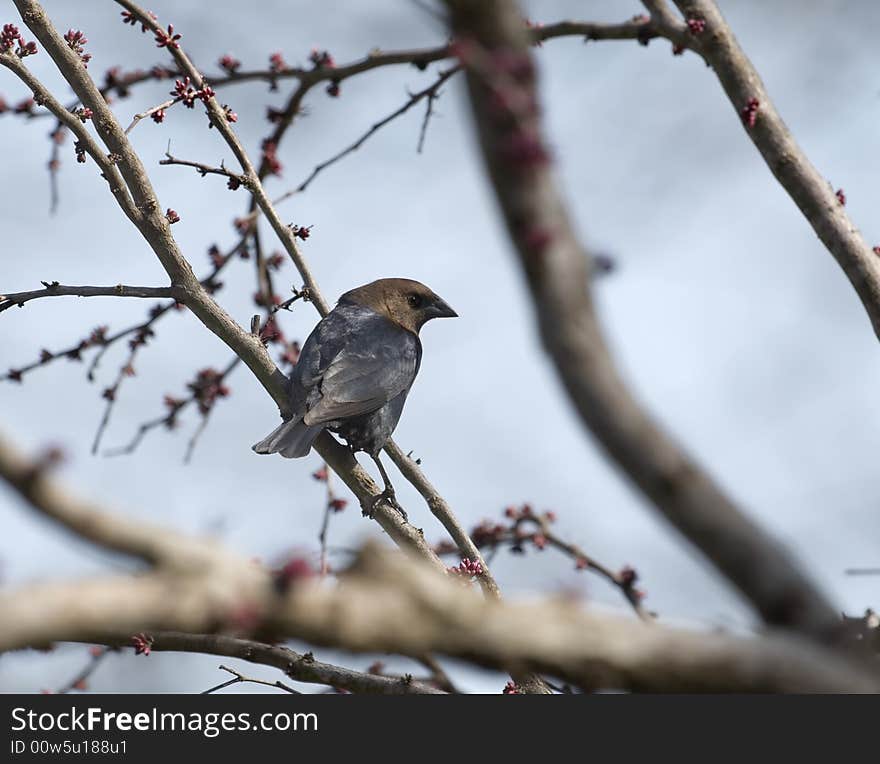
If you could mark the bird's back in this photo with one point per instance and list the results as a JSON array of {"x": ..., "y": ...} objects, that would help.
[{"x": 354, "y": 362}]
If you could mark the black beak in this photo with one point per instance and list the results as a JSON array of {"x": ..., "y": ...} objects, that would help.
[{"x": 439, "y": 308}]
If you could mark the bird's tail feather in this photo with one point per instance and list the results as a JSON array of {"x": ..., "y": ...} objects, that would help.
[{"x": 291, "y": 439}]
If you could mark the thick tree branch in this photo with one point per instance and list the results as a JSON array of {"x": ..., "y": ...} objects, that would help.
[
  {"x": 32, "y": 481},
  {"x": 501, "y": 71},
  {"x": 384, "y": 603},
  {"x": 388, "y": 604}
]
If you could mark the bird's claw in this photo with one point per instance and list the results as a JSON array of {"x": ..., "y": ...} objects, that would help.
[{"x": 388, "y": 496}]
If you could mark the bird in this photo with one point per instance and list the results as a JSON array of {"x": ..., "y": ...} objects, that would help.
[{"x": 355, "y": 371}]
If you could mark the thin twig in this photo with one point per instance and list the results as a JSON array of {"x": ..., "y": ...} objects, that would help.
[
  {"x": 54, "y": 289},
  {"x": 205, "y": 169},
  {"x": 239, "y": 678},
  {"x": 429, "y": 93},
  {"x": 109, "y": 394},
  {"x": 78, "y": 682},
  {"x": 168, "y": 420},
  {"x": 325, "y": 522},
  {"x": 149, "y": 113}
]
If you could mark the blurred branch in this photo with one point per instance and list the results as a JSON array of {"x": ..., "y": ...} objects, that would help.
[
  {"x": 385, "y": 602},
  {"x": 80, "y": 680},
  {"x": 389, "y": 604},
  {"x": 32, "y": 481},
  {"x": 504, "y": 100}
]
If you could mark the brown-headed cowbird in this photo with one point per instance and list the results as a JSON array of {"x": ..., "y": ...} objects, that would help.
[{"x": 355, "y": 371}]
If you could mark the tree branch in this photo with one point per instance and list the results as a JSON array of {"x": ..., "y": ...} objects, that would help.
[
  {"x": 296, "y": 666},
  {"x": 155, "y": 228},
  {"x": 385, "y": 602},
  {"x": 391, "y": 605},
  {"x": 327, "y": 447},
  {"x": 204, "y": 169},
  {"x": 106, "y": 163},
  {"x": 239, "y": 678},
  {"x": 151, "y": 221},
  {"x": 501, "y": 70},
  {"x": 30, "y": 479},
  {"x": 54, "y": 289},
  {"x": 492, "y": 536},
  {"x": 429, "y": 93},
  {"x": 812, "y": 193}
]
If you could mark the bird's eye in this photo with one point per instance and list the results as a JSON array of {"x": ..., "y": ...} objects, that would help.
[{"x": 415, "y": 300}]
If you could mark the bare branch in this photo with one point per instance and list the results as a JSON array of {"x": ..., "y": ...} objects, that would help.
[
  {"x": 54, "y": 289},
  {"x": 811, "y": 192},
  {"x": 85, "y": 141},
  {"x": 169, "y": 419},
  {"x": 204, "y": 169},
  {"x": 110, "y": 393},
  {"x": 516, "y": 535},
  {"x": 150, "y": 112},
  {"x": 288, "y": 239},
  {"x": 151, "y": 220},
  {"x": 429, "y": 94},
  {"x": 297, "y": 666},
  {"x": 443, "y": 512},
  {"x": 391, "y": 605},
  {"x": 155, "y": 228},
  {"x": 239, "y": 678},
  {"x": 96, "y": 658},
  {"x": 666, "y": 23}
]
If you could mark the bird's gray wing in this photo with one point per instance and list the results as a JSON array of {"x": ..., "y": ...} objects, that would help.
[{"x": 364, "y": 376}]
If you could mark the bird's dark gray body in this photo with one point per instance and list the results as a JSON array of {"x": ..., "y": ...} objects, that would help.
[{"x": 352, "y": 377}]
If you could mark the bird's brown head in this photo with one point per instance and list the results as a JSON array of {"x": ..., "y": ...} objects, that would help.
[{"x": 406, "y": 302}]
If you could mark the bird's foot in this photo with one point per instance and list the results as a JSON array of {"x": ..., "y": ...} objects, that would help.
[{"x": 388, "y": 496}]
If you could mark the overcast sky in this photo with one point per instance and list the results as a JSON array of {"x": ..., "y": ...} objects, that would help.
[{"x": 729, "y": 318}]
